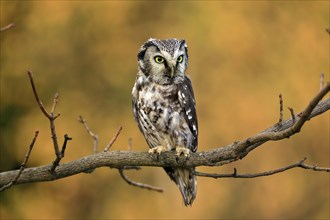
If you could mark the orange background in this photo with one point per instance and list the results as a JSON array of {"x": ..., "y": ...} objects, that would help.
[{"x": 242, "y": 54}]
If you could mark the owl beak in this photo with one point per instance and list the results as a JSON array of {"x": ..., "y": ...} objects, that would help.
[
  {"x": 172, "y": 71},
  {"x": 172, "y": 64}
]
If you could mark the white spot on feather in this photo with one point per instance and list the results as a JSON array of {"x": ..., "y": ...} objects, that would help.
[{"x": 148, "y": 95}]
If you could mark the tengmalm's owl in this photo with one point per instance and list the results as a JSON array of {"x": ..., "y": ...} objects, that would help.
[{"x": 164, "y": 106}]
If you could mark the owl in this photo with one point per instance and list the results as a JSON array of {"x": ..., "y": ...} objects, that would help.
[{"x": 164, "y": 106}]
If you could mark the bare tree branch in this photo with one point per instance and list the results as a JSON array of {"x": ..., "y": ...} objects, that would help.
[
  {"x": 314, "y": 167},
  {"x": 113, "y": 139},
  {"x": 23, "y": 165},
  {"x": 292, "y": 115},
  {"x": 300, "y": 164},
  {"x": 252, "y": 142},
  {"x": 41, "y": 105},
  {"x": 134, "y": 183},
  {"x": 58, "y": 159},
  {"x": 281, "y": 109},
  {"x": 51, "y": 118},
  {"x": 7, "y": 27},
  {"x": 214, "y": 157},
  {"x": 89, "y": 131}
]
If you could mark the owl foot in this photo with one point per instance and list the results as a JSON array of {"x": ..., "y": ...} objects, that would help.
[
  {"x": 157, "y": 150},
  {"x": 182, "y": 151}
]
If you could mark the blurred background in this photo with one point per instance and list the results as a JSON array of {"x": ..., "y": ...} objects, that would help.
[{"x": 242, "y": 55}]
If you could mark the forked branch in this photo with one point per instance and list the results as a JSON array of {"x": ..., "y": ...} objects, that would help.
[
  {"x": 300, "y": 164},
  {"x": 215, "y": 157},
  {"x": 51, "y": 118},
  {"x": 122, "y": 159}
]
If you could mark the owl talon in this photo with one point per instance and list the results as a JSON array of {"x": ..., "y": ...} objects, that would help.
[
  {"x": 182, "y": 151},
  {"x": 157, "y": 150}
]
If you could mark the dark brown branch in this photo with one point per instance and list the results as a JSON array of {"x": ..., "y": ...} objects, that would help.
[
  {"x": 62, "y": 152},
  {"x": 281, "y": 109},
  {"x": 137, "y": 184},
  {"x": 300, "y": 164},
  {"x": 23, "y": 165},
  {"x": 293, "y": 117},
  {"x": 7, "y": 27},
  {"x": 41, "y": 105},
  {"x": 89, "y": 131},
  {"x": 66, "y": 139},
  {"x": 51, "y": 118},
  {"x": 113, "y": 139}
]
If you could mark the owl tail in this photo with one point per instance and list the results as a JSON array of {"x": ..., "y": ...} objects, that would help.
[{"x": 186, "y": 182}]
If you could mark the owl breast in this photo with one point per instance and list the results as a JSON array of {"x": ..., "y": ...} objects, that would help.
[{"x": 160, "y": 115}]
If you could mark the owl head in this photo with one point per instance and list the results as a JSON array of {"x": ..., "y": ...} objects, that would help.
[{"x": 163, "y": 61}]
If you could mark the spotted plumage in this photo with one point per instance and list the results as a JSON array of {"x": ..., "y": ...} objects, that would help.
[{"x": 164, "y": 106}]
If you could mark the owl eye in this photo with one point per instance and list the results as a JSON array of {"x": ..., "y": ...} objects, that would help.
[
  {"x": 180, "y": 59},
  {"x": 159, "y": 59}
]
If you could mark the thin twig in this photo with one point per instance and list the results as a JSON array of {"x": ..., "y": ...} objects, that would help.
[
  {"x": 41, "y": 106},
  {"x": 56, "y": 98},
  {"x": 252, "y": 142},
  {"x": 23, "y": 165},
  {"x": 66, "y": 139},
  {"x": 137, "y": 184},
  {"x": 7, "y": 27},
  {"x": 215, "y": 157},
  {"x": 321, "y": 80},
  {"x": 314, "y": 167},
  {"x": 51, "y": 118},
  {"x": 281, "y": 109},
  {"x": 113, "y": 140},
  {"x": 89, "y": 131},
  {"x": 300, "y": 164},
  {"x": 293, "y": 117},
  {"x": 52, "y": 128},
  {"x": 62, "y": 152}
]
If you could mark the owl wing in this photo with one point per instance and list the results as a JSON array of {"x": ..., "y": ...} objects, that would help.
[{"x": 187, "y": 101}]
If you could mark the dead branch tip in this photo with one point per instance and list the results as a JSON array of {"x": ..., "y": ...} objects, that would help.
[
  {"x": 89, "y": 131},
  {"x": 23, "y": 165},
  {"x": 7, "y": 27},
  {"x": 113, "y": 139},
  {"x": 281, "y": 109},
  {"x": 137, "y": 184}
]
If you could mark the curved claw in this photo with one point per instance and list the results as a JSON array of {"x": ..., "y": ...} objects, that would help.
[
  {"x": 157, "y": 150},
  {"x": 182, "y": 151}
]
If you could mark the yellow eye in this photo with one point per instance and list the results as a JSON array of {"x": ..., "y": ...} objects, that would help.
[
  {"x": 180, "y": 59},
  {"x": 159, "y": 59}
]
